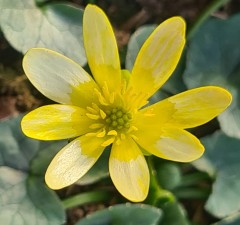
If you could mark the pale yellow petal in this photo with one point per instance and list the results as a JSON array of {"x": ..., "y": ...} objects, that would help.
[
  {"x": 172, "y": 144},
  {"x": 185, "y": 110},
  {"x": 158, "y": 57},
  {"x": 101, "y": 48},
  {"x": 55, "y": 122},
  {"x": 58, "y": 77},
  {"x": 129, "y": 171},
  {"x": 73, "y": 161}
]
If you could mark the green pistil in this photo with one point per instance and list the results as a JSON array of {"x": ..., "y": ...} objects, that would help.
[{"x": 118, "y": 119}]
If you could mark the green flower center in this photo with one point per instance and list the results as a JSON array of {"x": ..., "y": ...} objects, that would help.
[{"x": 117, "y": 118}]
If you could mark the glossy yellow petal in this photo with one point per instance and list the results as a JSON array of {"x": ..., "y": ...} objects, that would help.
[
  {"x": 101, "y": 48},
  {"x": 129, "y": 171},
  {"x": 55, "y": 122},
  {"x": 172, "y": 144},
  {"x": 158, "y": 56},
  {"x": 58, "y": 77},
  {"x": 187, "y": 109},
  {"x": 73, "y": 161}
]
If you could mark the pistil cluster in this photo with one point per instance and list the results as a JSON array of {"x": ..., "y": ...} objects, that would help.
[{"x": 118, "y": 119}]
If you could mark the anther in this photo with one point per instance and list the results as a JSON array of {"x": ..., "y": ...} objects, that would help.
[
  {"x": 92, "y": 116},
  {"x": 112, "y": 132},
  {"x": 96, "y": 126},
  {"x": 108, "y": 142},
  {"x": 103, "y": 114},
  {"x": 102, "y": 133}
]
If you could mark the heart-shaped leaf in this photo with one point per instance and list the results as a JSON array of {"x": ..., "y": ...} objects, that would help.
[
  {"x": 214, "y": 59},
  {"x": 231, "y": 220},
  {"x": 127, "y": 214},
  {"x": 27, "y": 201},
  {"x": 172, "y": 212},
  {"x": 223, "y": 154},
  {"x": 55, "y": 26},
  {"x": 24, "y": 197}
]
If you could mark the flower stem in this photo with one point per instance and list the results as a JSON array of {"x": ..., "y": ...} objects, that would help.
[
  {"x": 84, "y": 198},
  {"x": 157, "y": 195},
  {"x": 203, "y": 17}
]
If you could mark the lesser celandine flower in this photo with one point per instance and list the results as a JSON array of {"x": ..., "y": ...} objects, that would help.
[{"x": 109, "y": 109}]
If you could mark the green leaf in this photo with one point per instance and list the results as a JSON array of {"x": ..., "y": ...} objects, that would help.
[
  {"x": 24, "y": 198},
  {"x": 214, "y": 59},
  {"x": 168, "y": 174},
  {"x": 231, "y": 220},
  {"x": 127, "y": 214},
  {"x": 172, "y": 212},
  {"x": 54, "y": 26},
  {"x": 26, "y": 201},
  {"x": 16, "y": 149},
  {"x": 223, "y": 154}
]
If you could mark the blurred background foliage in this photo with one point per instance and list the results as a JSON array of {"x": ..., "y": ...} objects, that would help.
[{"x": 202, "y": 193}]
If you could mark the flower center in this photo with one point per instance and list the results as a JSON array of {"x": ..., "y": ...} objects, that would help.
[
  {"x": 117, "y": 119},
  {"x": 109, "y": 120}
]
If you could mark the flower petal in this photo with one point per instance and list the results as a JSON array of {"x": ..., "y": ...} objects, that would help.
[
  {"x": 158, "y": 56},
  {"x": 172, "y": 144},
  {"x": 58, "y": 77},
  {"x": 73, "y": 161},
  {"x": 185, "y": 110},
  {"x": 55, "y": 122},
  {"x": 129, "y": 171},
  {"x": 101, "y": 47}
]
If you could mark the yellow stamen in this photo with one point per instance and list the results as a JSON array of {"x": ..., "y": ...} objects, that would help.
[
  {"x": 101, "y": 99},
  {"x": 91, "y": 110},
  {"x": 108, "y": 142},
  {"x": 105, "y": 90},
  {"x": 111, "y": 98},
  {"x": 92, "y": 116},
  {"x": 95, "y": 106},
  {"x": 134, "y": 137},
  {"x": 112, "y": 132},
  {"x": 96, "y": 126},
  {"x": 132, "y": 128},
  {"x": 102, "y": 133},
  {"x": 91, "y": 134},
  {"x": 103, "y": 114}
]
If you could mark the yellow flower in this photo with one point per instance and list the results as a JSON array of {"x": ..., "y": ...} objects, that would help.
[{"x": 110, "y": 109}]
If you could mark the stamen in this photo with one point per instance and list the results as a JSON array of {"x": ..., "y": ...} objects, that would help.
[
  {"x": 108, "y": 142},
  {"x": 103, "y": 114},
  {"x": 95, "y": 106},
  {"x": 92, "y": 116},
  {"x": 91, "y": 134},
  {"x": 102, "y": 133},
  {"x": 101, "y": 99},
  {"x": 123, "y": 86},
  {"x": 96, "y": 126},
  {"x": 132, "y": 128},
  {"x": 111, "y": 98},
  {"x": 91, "y": 110},
  {"x": 134, "y": 137},
  {"x": 105, "y": 89},
  {"x": 112, "y": 132}
]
